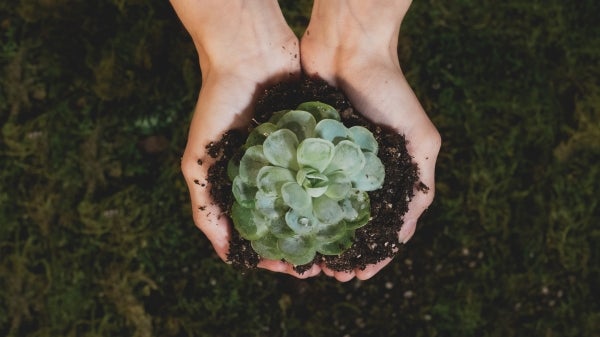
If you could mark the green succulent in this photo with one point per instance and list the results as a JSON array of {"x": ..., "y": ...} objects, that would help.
[{"x": 301, "y": 185}]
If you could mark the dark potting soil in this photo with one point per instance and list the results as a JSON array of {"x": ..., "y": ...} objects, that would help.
[{"x": 375, "y": 241}]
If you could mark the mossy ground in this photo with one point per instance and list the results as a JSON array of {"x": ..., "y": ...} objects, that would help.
[{"x": 96, "y": 236}]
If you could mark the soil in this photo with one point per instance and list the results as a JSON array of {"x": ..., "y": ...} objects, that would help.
[{"x": 375, "y": 241}]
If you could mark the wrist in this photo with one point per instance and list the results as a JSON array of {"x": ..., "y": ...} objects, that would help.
[{"x": 357, "y": 25}]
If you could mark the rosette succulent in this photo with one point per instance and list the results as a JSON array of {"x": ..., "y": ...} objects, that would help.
[{"x": 301, "y": 184}]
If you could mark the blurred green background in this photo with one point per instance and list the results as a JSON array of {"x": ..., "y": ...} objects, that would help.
[{"x": 96, "y": 234}]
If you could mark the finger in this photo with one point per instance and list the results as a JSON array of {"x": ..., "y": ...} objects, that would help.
[
  {"x": 372, "y": 269},
  {"x": 286, "y": 268},
  {"x": 207, "y": 216},
  {"x": 424, "y": 148},
  {"x": 344, "y": 276},
  {"x": 332, "y": 273},
  {"x": 206, "y": 127},
  {"x": 313, "y": 271},
  {"x": 327, "y": 271}
]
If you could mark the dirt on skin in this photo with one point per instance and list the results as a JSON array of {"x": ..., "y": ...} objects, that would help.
[{"x": 375, "y": 241}]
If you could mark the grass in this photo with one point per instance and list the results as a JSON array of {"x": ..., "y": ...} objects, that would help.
[{"x": 96, "y": 236}]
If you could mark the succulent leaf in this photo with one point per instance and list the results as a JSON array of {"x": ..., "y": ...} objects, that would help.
[
  {"x": 243, "y": 192},
  {"x": 332, "y": 130},
  {"x": 315, "y": 153},
  {"x": 246, "y": 222},
  {"x": 280, "y": 229},
  {"x": 337, "y": 247},
  {"x": 259, "y": 134},
  {"x": 252, "y": 161},
  {"x": 347, "y": 157},
  {"x": 301, "y": 184},
  {"x": 280, "y": 148},
  {"x": 302, "y": 224},
  {"x": 271, "y": 205},
  {"x": 331, "y": 232},
  {"x": 327, "y": 210},
  {"x": 314, "y": 182},
  {"x": 339, "y": 185},
  {"x": 357, "y": 209},
  {"x": 276, "y": 116},
  {"x": 331, "y": 248},
  {"x": 297, "y": 249},
  {"x": 364, "y": 138},
  {"x": 300, "y": 122},
  {"x": 371, "y": 176},
  {"x": 267, "y": 247},
  {"x": 270, "y": 179},
  {"x": 320, "y": 110},
  {"x": 295, "y": 196},
  {"x": 233, "y": 170}
]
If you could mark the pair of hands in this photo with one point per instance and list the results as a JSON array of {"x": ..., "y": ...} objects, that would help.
[{"x": 246, "y": 46}]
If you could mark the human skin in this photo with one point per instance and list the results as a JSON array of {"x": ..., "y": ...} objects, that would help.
[
  {"x": 352, "y": 44},
  {"x": 237, "y": 61}
]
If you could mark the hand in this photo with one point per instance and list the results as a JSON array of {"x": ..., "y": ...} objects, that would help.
[
  {"x": 243, "y": 47},
  {"x": 352, "y": 44}
]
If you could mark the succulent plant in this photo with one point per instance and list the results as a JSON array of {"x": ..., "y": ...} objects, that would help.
[{"x": 301, "y": 184}]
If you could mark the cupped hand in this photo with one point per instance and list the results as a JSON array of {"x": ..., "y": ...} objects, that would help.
[
  {"x": 358, "y": 54},
  {"x": 237, "y": 62}
]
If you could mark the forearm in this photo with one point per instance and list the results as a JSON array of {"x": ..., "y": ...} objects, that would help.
[
  {"x": 219, "y": 28},
  {"x": 358, "y": 23}
]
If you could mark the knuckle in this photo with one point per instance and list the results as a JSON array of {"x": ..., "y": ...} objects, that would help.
[
  {"x": 189, "y": 166},
  {"x": 435, "y": 140},
  {"x": 438, "y": 139}
]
